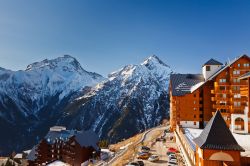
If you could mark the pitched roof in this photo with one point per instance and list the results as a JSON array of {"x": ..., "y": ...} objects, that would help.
[
  {"x": 64, "y": 135},
  {"x": 217, "y": 135},
  {"x": 32, "y": 155},
  {"x": 219, "y": 71},
  {"x": 226, "y": 66},
  {"x": 212, "y": 62},
  {"x": 182, "y": 84},
  {"x": 244, "y": 76}
]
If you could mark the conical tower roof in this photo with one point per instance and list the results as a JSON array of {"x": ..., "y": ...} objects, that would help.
[{"x": 217, "y": 135}]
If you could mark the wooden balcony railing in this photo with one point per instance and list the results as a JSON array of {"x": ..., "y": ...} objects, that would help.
[{"x": 218, "y": 106}]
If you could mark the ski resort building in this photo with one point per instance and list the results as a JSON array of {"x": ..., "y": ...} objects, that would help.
[
  {"x": 69, "y": 146},
  {"x": 209, "y": 113},
  {"x": 194, "y": 98}
]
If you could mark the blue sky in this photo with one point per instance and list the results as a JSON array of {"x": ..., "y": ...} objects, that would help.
[{"x": 105, "y": 35}]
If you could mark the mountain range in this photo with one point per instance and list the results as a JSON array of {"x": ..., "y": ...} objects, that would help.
[{"x": 61, "y": 92}]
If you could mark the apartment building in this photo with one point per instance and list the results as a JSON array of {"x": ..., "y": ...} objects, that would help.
[
  {"x": 194, "y": 98},
  {"x": 70, "y": 146}
]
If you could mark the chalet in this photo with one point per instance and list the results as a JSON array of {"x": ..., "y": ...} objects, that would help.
[
  {"x": 69, "y": 146},
  {"x": 194, "y": 98}
]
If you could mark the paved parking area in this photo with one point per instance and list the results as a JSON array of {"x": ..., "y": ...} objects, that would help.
[{"x": 160, "y": 148}]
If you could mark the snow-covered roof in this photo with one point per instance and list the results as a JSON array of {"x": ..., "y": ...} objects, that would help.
[
  {"x": 32, "y": 155},
  {"x": 58, "y": 163},
  {"x": 18, "y": 156}
]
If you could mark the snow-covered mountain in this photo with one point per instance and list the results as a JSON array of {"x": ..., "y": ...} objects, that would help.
[
  {"x": 132, "y": 99},
  {"x": 61, "y": 92},
  {"x": 32, "y": 97}
]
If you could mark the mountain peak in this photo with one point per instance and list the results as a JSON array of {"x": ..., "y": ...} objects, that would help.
[
  {"x": 153, "y": 60},
  {"x": 63, "y": 61}
]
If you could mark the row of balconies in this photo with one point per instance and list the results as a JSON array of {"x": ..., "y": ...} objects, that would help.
[
  {"x": 229, "y": 107},
  {"x": 229, "y": 99},
  {"x": 229, "y": 91}
]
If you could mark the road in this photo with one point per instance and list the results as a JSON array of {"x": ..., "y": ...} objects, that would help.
[
  {"x": 145, "y": 137},
  {"x": 158, "y": 148}
]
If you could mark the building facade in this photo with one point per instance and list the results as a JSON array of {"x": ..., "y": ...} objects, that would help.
[
  {"x": 70, "y": 146},
  {"x": 194, "y": 98}
]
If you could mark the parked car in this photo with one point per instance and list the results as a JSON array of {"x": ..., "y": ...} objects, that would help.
[
  {"x": 153, "y": 158},
  {"x": 144, "y": 149},
  {"x": 166, "y": 131},
  {"x": 172, "y": 155},
  {"x": 173, "y": 160},
  {"x": 158, "y": 139},
  {"x": 141, "y": 163},
  {"x": 168, "y": 153},
  {"x": 143, "y": 155},
  {"x": 133, "y": 164},
  {"x": 172, "y": 163},
  {"x": 173, "y": 150}
]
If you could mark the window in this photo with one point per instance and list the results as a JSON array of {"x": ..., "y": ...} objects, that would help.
[
  {"x": 238, "y": 64},
  {"x": 223, "y": 103},
  {"x": 194, "y": 109},
  {"x": 236, "y": 80},
  {"x": 194, "y": 102},
  {"x": 237, "y": 96},
  {"x": 208, "y": 68},
  {"x": 194, "y": 116},
  {"x": 222, "y": 88},
  {"x": 224, "y": 95},
  {"x": 236, "y": 72},
  {"x": 194, "y": 95},
  {"x": 222, "y": 80},
  {"x": 194, "y": 123},
  {"x": 237, "y": 104},
  {"x": 236, "y": 88},
  {"x": 246, "y": 64}
]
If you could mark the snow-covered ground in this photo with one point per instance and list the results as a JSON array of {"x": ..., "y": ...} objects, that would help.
[{"x": 242, "y": 139}]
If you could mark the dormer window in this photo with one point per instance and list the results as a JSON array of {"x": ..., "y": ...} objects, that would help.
[{"x": 208, "y": 68}]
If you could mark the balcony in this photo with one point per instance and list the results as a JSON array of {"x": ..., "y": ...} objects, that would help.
[
  {"x": 238, "y": 112},
  {"x": 219, "y": 107},
  {"x": 222, "y": 91},
  {"x": 234, "y": 108},
  {"x": 244, "y": 91},
  {"x": 220, "y": 99}
]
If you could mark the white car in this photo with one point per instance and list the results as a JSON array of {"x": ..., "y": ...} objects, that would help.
[
  {"x": 153, "y": 158},
  {"x": 172, "y": 164},
  {"x": 173, "y": 160},
  {"x": 172, "y": 155}
]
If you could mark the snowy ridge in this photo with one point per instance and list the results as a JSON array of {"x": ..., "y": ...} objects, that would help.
[{"x": 63, "y": 75}]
